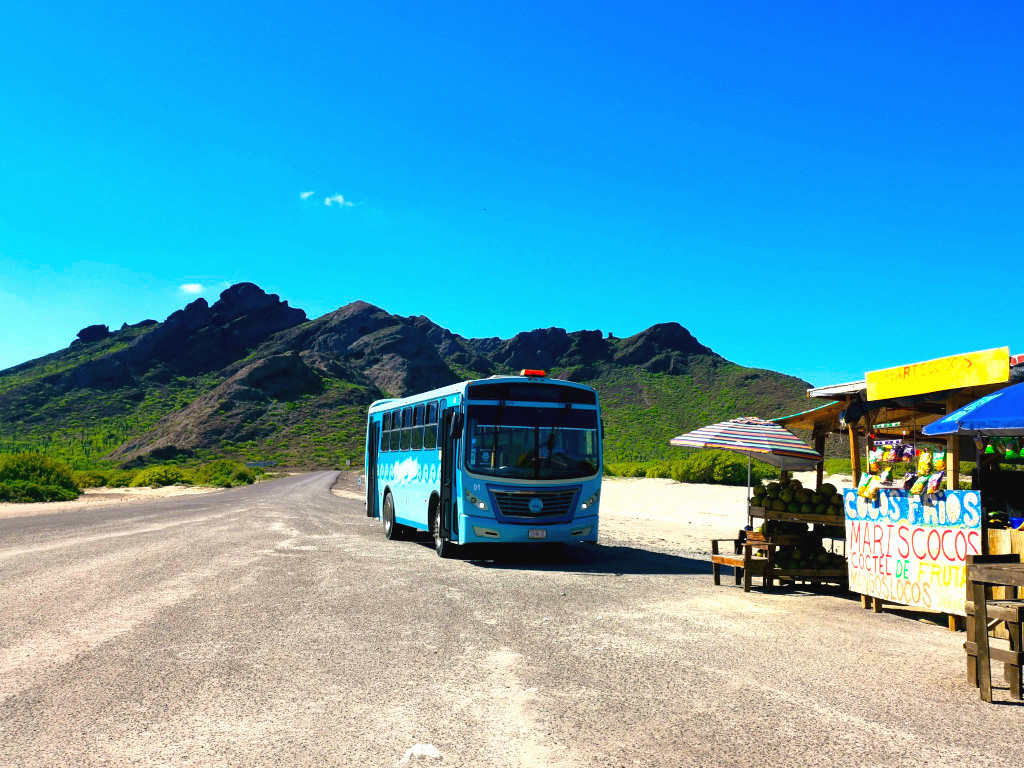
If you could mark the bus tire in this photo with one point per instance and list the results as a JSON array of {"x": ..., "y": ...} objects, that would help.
[
  {"x": 442, "y": 546},
  {"x": 392, "y": 530}
]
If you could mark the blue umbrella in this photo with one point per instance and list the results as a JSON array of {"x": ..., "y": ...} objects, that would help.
[{"x": 1001, "y": 413}]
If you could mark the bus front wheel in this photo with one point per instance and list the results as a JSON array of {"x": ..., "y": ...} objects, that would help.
[
  {"x": 392, "y": 530},
  {"x": 442, "y": 546}
]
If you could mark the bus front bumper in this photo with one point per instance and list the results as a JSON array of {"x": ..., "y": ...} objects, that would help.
[{"x": 479, "y": 529}]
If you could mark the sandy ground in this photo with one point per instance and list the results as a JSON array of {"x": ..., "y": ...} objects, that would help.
[
  {"x": 678, "y": 516},
  {"x": 92, "y": 497}
]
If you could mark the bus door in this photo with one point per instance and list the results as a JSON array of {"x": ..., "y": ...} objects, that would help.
[
  {"x": 451, "y": 428},
  {"x": 371, "y": 469}
]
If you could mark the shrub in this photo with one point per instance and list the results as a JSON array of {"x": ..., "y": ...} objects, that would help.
[
  {"x": 120, "y": 478},
  {"x": 89, "y": 479},
  {"x": 34, "y": 477},
  {"x": 225, "y": 473},
  {"x": 27, "y": 491},
  {"x": 159, "y": 476},
  {"x": 719, "y": 467}
]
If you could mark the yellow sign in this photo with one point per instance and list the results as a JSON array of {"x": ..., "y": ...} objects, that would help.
[{"x": 990, "y": 366}]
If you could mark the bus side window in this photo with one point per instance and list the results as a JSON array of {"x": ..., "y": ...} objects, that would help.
[
  {"x": 385, "y": 432},
  {"x": 406, "y": 428},
  {"x": 396, "y": 430},
  {"x": 430, "y": 430},
  {"x": 417, "y": 427}
]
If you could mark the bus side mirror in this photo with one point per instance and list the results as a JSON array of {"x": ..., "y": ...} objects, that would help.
[{"x": 458, "y": 421}]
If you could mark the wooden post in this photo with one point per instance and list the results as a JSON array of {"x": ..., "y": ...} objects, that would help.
[
  {"x": 819, "y": 446},
  {"x": 981, "y": 641},
  {"x": 854, "y": 454},
  {"x": 952, "y": 452}
]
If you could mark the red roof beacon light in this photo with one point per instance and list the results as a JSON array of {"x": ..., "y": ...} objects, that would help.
[{"x": 533, "y": 372}]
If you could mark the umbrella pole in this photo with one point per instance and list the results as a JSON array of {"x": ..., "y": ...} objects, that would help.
[{"x": 750, "y": 520}]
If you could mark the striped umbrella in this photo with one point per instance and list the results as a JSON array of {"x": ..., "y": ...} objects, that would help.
[{"x": 757, "y": 438}]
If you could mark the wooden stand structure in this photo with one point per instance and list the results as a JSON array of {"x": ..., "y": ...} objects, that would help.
[
  {"x": 769, "y": 546},
  {"x": 983, "y": 573}
]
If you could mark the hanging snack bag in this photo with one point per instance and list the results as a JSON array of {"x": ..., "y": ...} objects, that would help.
[
  {"x": 862, "y": 486},
  {"x": 909, "y": 453},
  {"x": 908, "y": 481},
  {"x": 920, "y": 484},
  {"x": 886, "y": 475},
  {"x": 935, "y": 482},
  {"x": 868, "y": 488},
  {"x": 875, "y": 461},
  {"x": 939, "y": 461},
  {"x": 893, "y": 454},
  {"x": 924, "y": 463}
]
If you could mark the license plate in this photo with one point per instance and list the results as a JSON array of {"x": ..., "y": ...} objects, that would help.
[{"x": 537, "y": 533}]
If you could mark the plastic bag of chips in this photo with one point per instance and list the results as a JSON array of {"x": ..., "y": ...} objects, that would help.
[
  {"x": 908, "y": 481},
  {"x": 924, "y": 463},
  {"x": 875, "y": 461},
  {"x": 909, "y": 453},
  {"x": 865, "y": 480},
  {"x": 935, "y": 482},
  {"x": 869, "y": 490},
  {"x": 939, "y": 460},
  {"x": 920, "y": 484},
  {"x": 886, "y": 475}
]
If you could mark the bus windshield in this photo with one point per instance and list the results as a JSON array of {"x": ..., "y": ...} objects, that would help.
[{"x": 532, "y": 443}]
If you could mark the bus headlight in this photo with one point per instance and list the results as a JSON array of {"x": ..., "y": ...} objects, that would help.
[
  {"x": 591, "y": 501},
  {"x": 475, "y": 501}
]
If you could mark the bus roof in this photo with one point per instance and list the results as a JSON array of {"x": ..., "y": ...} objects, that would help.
[{"x": 460, "y": 388}]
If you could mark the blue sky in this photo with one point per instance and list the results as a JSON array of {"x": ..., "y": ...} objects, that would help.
[{"x": 817, "y": 188}]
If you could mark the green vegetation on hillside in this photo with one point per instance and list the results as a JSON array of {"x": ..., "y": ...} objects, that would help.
[{"x": 642, "y": 411}]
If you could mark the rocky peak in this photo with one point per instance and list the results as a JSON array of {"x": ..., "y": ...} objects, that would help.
[
  {"x": 664, "y": 347},
  {"x": 247, "y": 299},
  {"x": 92, "y": 333}
]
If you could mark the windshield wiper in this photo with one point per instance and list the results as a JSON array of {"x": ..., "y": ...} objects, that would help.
[
  {"x": 497, "y": 430},
  {"x": 554, "y": 430}
]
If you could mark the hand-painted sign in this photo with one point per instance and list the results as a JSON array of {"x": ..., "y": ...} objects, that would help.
[
  {"x": 913, "y": 549},
  {"x": 990, "y": 366}
]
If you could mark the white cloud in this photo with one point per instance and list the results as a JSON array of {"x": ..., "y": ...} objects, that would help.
[
  {"x": 338, "y": 200},
  {"x": 191, "y": 287},
  {"x": 306, "y": 195}
]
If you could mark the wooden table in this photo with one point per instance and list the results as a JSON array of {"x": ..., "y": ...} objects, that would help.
[{"x": 982, "y": 576}]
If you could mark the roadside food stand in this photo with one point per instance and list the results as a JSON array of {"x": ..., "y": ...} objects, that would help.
[
  {"x": 909, "y": 524},
  {"x": 788, "y": 546}
]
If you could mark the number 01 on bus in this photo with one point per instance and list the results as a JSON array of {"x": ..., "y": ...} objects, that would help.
[{"x": 507, "y": 459}]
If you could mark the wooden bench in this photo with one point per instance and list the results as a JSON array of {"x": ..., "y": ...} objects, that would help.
[{"x": 740, "y": 560}]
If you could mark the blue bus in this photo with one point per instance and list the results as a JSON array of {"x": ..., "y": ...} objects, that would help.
[{"x": 507, "y": 459}]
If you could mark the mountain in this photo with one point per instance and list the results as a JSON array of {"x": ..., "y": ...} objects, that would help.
[{"x": 250, "y": 376}]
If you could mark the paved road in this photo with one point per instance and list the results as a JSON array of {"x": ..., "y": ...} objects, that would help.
[{"x": 273, "y": 626}]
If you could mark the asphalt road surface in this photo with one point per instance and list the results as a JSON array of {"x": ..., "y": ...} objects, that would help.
[{"x": 274, "y": 626}]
